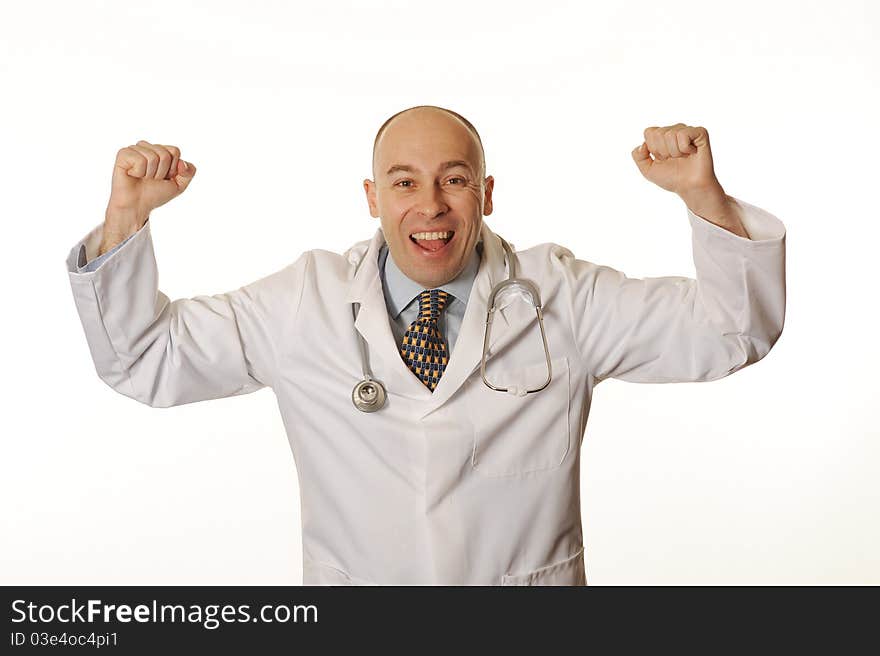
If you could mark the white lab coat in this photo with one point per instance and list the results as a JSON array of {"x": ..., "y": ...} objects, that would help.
[{"x": 466, "y": 485}]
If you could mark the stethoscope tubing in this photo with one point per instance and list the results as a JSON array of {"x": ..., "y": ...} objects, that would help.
[{"x": 370, "y": 395}]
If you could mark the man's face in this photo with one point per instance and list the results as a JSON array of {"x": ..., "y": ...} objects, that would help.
[{"x": 427, "y": 168}]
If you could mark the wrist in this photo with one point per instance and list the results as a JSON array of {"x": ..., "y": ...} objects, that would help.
[
  {"x": 119, "y": 224},
  {"x": 707, "y": 199},
  {"x": 710, "y": 203},
  {"x": 718, "y": 209}
]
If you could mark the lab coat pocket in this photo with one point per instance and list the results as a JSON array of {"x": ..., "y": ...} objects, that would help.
[
  {"x": 520, "y": 434},
  {"x": 570, "y": 571}
]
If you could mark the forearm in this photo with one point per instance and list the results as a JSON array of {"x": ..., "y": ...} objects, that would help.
[
  {"x": 119, "y": 225},
  {"x": 717, "y": 208}
]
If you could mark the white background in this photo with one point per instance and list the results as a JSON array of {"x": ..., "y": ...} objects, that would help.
[{"x": 769, "y": 476}]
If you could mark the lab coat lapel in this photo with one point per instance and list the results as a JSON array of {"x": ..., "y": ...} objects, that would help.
[
  {"x": 373, "y": 323},
  {"x": 468, "y": 349}
]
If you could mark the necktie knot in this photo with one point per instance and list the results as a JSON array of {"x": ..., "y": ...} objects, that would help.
[
  {"x": 431, "y": 303},
  {"x": 424, "y": 348}
]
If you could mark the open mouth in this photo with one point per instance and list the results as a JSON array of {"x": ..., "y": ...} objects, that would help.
[{"x": 432, "y": 242}]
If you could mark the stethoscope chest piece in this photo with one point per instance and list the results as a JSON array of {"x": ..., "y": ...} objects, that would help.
[{"x": 368, "y": 395}]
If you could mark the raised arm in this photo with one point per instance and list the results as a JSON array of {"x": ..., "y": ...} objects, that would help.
[
  {"x": 678, "y": 329},
  {"x": 163, "y": 352}
]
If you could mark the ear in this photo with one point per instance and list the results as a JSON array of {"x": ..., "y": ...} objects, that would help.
[
  {"x": 370, "y": 190},
  {"x": 487, "y": 198}
]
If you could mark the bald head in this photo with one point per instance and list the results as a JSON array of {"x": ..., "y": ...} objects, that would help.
[
  {"x": 423, "y": 110},
  {"x": 430, "y": 176}
]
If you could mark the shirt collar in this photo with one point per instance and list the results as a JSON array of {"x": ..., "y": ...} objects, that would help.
[{"x": 400, "y": 291}]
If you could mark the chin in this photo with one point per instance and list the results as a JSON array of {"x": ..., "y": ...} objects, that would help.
[{"x": 439, "y": 276}]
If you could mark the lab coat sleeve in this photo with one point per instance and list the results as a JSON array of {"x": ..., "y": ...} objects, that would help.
[
  {"x": 86, "y": 265},
  {"x": 161, "y": 352},
  {"x": 678, "y": 329}
]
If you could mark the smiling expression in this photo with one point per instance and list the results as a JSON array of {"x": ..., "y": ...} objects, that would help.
[{"x": 430, "y": 193}]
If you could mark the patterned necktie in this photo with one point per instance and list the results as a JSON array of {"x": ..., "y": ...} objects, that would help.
[{"x": 423, "y": 347}]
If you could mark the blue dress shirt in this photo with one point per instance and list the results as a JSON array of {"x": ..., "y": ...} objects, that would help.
[
  {"x": 401, "y": 293},
  {"x": 84, "y": 266},
  {"x": 402, "y": 302}
]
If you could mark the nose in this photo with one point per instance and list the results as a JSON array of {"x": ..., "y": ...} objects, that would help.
[{"x": 430, "y": 202}]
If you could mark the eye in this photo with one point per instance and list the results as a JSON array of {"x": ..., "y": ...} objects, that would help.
[
  {"x": 458, "y": 178},
  {"x": 401, "y": 182}
]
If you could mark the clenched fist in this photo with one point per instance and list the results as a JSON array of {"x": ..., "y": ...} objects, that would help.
[
  {"x": 682, "y": 164},
  {"x": 682, "y": 159},
  {"x": 145, "y": 176}
]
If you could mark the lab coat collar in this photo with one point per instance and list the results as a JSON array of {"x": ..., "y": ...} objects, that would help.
[{"x": 373, "y": 322}]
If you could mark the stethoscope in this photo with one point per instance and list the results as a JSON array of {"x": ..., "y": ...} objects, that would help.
[{"x": 370, "y": 395}]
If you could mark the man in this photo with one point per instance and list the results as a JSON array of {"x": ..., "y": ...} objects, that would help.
[{"x": 449, "y": 482}]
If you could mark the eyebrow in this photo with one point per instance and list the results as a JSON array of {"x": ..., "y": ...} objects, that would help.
[{"x": 444, "y": 166}]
